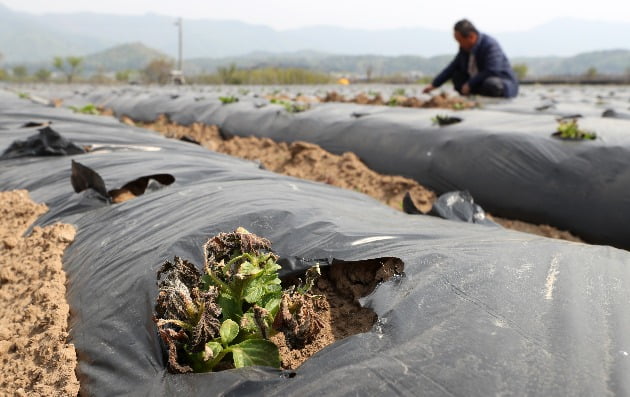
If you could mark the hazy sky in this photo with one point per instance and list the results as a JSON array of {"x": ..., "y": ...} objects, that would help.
[{"x": 488, "y": 15}]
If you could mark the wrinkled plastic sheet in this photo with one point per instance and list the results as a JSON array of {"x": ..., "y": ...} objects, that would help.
[
  {"x": 507, "y": 160},
  {"x": 480, "y": 310},
  {"x": 47, "y": 142},
  {"x": 459, "y": 206},
  {"x": 503, "y": 155}
]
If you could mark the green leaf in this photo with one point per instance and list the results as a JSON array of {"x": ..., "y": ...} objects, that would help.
[
  {"x": 229, "y": 330},
  {"x": 248, "y": 269},
  {"x": 230, "y": 308},
  {"x": 271, "y": 267},
  {"x": 203, "y": 361},
  {"x": 211, "y": 350},
  {"x": 254, "y": 290},
  {"x": 272, "y": 306},
  {"x": 255, "y": 352}
]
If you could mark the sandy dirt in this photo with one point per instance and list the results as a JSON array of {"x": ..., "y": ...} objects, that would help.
[
  {"x": 442, "y": 100},
  {"x": 304, "y": 160},
  {"x": 309, "y": 161},
  {"x": 540, "y": 230},
  {"x": 36, "y": 360},
  {"x": 337, "y": 307}
]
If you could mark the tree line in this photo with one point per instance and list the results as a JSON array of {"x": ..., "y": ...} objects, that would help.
[
  {"x": 160, "y": 71},
  {"x": 70, "y": 70}
]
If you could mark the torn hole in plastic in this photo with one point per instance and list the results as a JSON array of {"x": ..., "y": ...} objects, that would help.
[
  {"x": 569, "y": 117},
  {"x": 32, "y": 124},
  {"x": 444, "y": 120},
  {"x": 360, "y": 278},
  {"x": 187, "y": 138},
  {"x": 545, "y": 107},
  {"x": 288, "y": 374},
  {"x": 83, "y": 178},
  {"x": 139, "y": 186}
]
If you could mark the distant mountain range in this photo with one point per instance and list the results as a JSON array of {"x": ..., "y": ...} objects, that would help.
[
  {"x": 113, "y": 43},
  {"x": 28, "y": 37},
  {"x": 132, "y": 56}
]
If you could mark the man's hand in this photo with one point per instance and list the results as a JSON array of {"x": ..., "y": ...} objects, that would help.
[
  {"x": 428, "y": 89},
  {"x": 465, "y": 89}
]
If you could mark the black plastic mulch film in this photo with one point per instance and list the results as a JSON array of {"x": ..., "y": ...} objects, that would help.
[
  {"x": 479, "y": 311},
  {"x": 503, "y": 154}
]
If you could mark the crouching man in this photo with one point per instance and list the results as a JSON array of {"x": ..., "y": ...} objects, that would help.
[{"x": 480, "y": 67}]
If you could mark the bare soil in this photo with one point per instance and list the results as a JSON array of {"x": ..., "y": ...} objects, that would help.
[
  {"x": 336, "y": 305},
  {"x": 36, "y": 357},
  {"x": 442, "y": 100},
  {"x": 309, "y": 161}
]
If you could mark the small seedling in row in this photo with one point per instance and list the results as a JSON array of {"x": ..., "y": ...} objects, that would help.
[
  {"x": 87, "y": 109},
  {"x": 393, "y": 101},
  {"x": 289, "y": 106},
  {"x": 228, "y": 99},
  {"x": 569, "y": 129},
  {"x": 399, "y": 92}
]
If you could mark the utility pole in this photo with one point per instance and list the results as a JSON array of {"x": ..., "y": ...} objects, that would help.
[
  {"x": 178, "y": 75},
  {"x": 179, "y": 59}
]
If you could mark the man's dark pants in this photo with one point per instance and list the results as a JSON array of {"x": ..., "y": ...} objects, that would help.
[{"x": 492, "y": 86}]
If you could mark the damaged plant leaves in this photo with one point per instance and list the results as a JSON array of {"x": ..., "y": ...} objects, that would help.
[{"x": 223, "y": 318}]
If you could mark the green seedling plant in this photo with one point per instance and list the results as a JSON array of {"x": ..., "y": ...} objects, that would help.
[
  {"x": 393, "y": 101},
  {"x": 87, "y": 109},
  {"x": 224, "y": 316},
  {"x": 289, "y": 106},
  {"x": 23, "y": 95},
  {"x": 399, "y": 92},
  {"x": 458, "y": 106},
  {"x": 569, "y": 129},
  {"x": 228, "y": 99}
]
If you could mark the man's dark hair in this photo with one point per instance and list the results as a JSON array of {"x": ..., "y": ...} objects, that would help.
[{"x": 465, "y": 28}]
